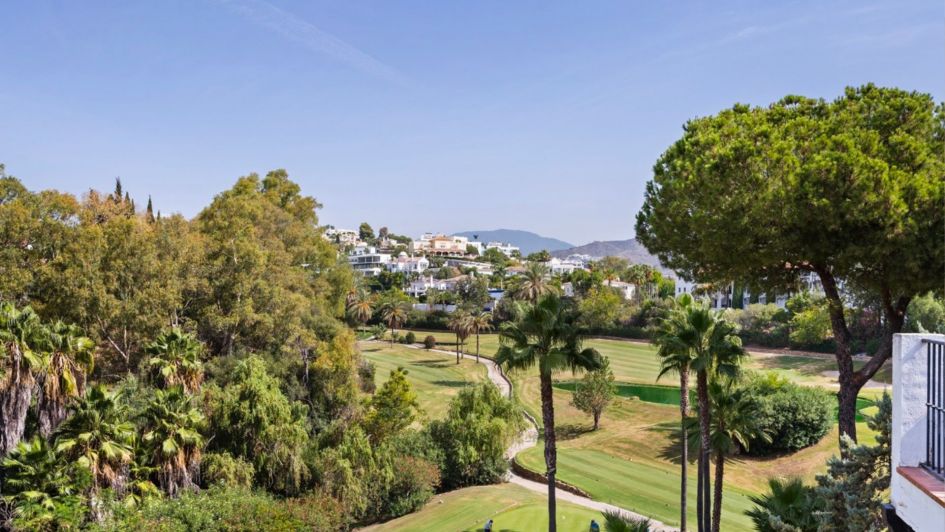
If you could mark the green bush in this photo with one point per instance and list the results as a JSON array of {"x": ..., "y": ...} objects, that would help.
[
  {"x": 410, "y": 338},
  {"x": 429, "y": 342},
  {"x": 794, "y": 416},
  {"x": 366, "y": 371},
  {"x": 789, "y": 505},
  {"x": 223, "y": 509},
  {"x": 222, "y": 469}
]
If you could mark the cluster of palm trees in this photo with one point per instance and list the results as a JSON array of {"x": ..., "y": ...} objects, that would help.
[
  {"x": 693, "y": 338},
  {"x": 465, "y": 324},
  {"x": 90, "y": 432}
]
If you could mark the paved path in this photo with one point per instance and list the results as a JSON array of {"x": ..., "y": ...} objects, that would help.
[{"x": 529, "y": 438}]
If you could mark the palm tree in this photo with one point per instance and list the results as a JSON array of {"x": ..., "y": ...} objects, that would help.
[
  {"x": 36, "y": 481},
  {"x": 480, "y": 322},
  {"x": 534, "y": 283},
  {"x": 461, "y": 325},
  {"x": 23, "y": 340},
  {"x": 715, "y": 349},
  {"x": 618, "y": 522},
  {"x": 172, "y": 435},
  {"x": 394, "y": 315},
  {"x": 71, "y": 357},
  {"x": 434, "y": 296},
  {"x": 175, "y": 360},
  {"x": 676, "y": 357},
  {"x": 360, "y": 307},
  {"x": 790, "y": 502},
  {"x": 97, "y": 436},
  {"x": 547, "y": 336}
]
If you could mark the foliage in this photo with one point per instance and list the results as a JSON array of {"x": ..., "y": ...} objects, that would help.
[
  {"x": 811, "y": 326},
  {"x": 473, "y": 292},
  {"x": 172, "y": 436},
  {"x": 539, "y": 256},
  {"x": 601, "y": 307},
  {"x": 71, "y": 357},
  {"x": 366, "y": 371},
  {"x": 223, "y": 469},
  {"x": 926, "y": 314},
  {"x": 410, "y": 337},
  {"x": 429, "y": 342},
  {"x": 251, "y": 419},
  {"x": 220, "y": 509},
  {"x": 794, "y": 416},
  {"x": 365, "y": 232},
  {"x": 175, "y": 360},
  {"x": 473, "y": 437},
  {"x": 22, "y": 336},
  {"x": 789, "y": 506},
  {"x": 393, "y": 408},
  {"x": 854, "y": 486},
  {"x": 618, "y": 522},
  {"x": 533, "y": 283},
  {"x": 595, "y": 391}
]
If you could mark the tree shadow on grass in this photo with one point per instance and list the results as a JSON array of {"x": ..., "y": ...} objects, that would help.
[
  {"x": 673, "y": 451},
  {"x": 570, "y": 431},
  {"x": 451, "y": 384},
  {"x": 436, "y": 363}
]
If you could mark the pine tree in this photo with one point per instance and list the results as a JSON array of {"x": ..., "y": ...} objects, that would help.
[{"x": 149, "y": 210}]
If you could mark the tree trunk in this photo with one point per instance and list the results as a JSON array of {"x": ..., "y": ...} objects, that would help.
[
  {"x": 457, "y": 349},
  {"x": 50, "y": 414},
  {"x": 702, "y": 393},
  {"x": 15, "y": 398},
  {"x": 477, "y": 346},
  {"x": 717, "y": 509},
  {"x": 551, "y": 453},
  {"x": 596, "y": 419},
  {"x": 683, "y": 411}
]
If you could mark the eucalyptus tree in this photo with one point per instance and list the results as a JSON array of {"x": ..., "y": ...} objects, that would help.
[
  {"x": 71, "y": 357},
  {"x": 848, "y": 192},
  {"x": 546, "y": 336},
  {"x": 175, "y": 360},
  {"x": 24, "y": 340}
]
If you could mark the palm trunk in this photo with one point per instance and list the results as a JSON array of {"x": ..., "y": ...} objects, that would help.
[
  {"x": 51, "y": 414},
  {"x": 684, "y": 411},
  {"x": 717, "y": 509},
  {"x": 702, "y": 393},
  {"x": 477, "y": 346},
  {"x": 15, "y": 398},
  {"x": 457, "y": 348},
  {"x": 551, "y": 452}
]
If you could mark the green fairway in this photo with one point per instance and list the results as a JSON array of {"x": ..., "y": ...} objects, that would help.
[
  {"x": 647, "y": 489},
  {"x": 435, "y": 377},
  {"x": 512, "y": 508}
]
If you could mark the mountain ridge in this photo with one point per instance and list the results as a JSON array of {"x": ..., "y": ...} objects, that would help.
[
  {"x": 628, "y": 249},
  {"x": 527, "y": 241}
]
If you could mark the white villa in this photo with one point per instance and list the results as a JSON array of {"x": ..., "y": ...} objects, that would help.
[
  {"x": 342, "y": 236},
  {"x": 407, "y": 264},
  {"x": 420, "y": 286},
  {"x": 439, "y": 244},
  {"x": 627, "y": 290},
  {"x": 506, "y": 248},
  {"x": 565, "y": 266},
  {"x": 483, "y": 268},
  {"x": 368, "y": 261}
]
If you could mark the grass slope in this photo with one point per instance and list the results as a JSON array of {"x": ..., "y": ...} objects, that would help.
[{"x": 512, "y": 508}]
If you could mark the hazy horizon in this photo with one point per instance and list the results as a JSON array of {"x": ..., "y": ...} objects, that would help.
[{"x": 421, "y": 116}]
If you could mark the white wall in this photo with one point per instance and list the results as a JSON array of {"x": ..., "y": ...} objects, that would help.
[{"x": 910, "y": 379}]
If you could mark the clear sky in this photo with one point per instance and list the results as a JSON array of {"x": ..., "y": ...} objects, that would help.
[{"x": 435, "y": 115}]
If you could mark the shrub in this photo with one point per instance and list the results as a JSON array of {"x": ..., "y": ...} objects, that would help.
[
  {"x": 220, "y": 509},
  {"x": 410, "y": 338},
  {"x": 366, "y": 371},
  {"x": 794, "y": 416},
  {"x": 789, "y": 505},
  {"x": 429, "y": 342},
  {"x": 222, "y": 469},
  {"x": 414, "y": 481}
]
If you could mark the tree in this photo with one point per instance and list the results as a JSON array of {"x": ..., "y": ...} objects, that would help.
[
  {"x": 612, "y": 268},
  {"x": 23, "y": 337},
  {"x": 175, "y": 360},
  {"x": 539, "y": 256},
  {"x": 71, "y": 358},
  {"x": 394, "y": 314},
  {"x": 546, "y": 336},
  {"x": 926, "y": 314},
  {"x": 848, "y": 190},
  {"x": 480, "y": 322},
  {"x": 472, "y": 250},
  {"x": 461, "y": 325},
  {"x": 618, "y": 522},
  {"x": 393, "y": 408},
  {"x": 473, "y": 292},
  {"x": 600, "y": 307},
  {"x": 172, "y": 435},
  {"x": 595, "y": 391},
  {"x": 788, "y": 506},
  {"x": 855, "y": 484},
  {"x": 534, "y": 284},
  {"x": 365, "y": 232},
  {"x": 715, "y": 350},
  {"x": 360, "y": 308},
  {"x": 98, "y": 436},
  {"x": 496, "y": 257}
]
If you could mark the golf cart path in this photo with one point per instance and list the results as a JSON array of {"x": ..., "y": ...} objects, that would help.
[{"x": 529, "y": 438}]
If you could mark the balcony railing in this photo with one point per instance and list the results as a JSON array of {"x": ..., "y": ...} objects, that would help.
[{"x": 935, "y": 409}]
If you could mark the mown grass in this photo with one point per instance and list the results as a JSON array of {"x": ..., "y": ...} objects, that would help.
[
  {"x": 511, "y": 507},
  {"x": 435, "y": 377}
]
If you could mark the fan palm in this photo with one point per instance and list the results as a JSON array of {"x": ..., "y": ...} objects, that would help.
[
  {"x": 97, "y": 437},
  {"x": 789, "y": 504},
  {"x": 360, "y": 308},
  {"x": 676, "y": 357},
  {"x": 172, "y": 436},
  {"x": 618, "y": 522},
  {"x": 715, "y": 349},
  {"x": 71, "y": 357},
  {"x": 480, "y": 322},
  {"x": 546, "y": 336},
  {"x": 461, "y": 325},
  {"x": 23, "y": 340},
  {"x": 40, "y": 485},
  {"x": 175, "y": 360},
  {"x": 534, "y": 283},
  {"x": 394, "y": 314}
]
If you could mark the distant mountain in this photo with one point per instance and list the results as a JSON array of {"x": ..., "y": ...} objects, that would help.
[
  {"x": 627, "y": 249},
  {"x": 527, "y": 241}
]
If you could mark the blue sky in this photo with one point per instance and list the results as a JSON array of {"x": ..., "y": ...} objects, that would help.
[{"x": 421, "y": 115}]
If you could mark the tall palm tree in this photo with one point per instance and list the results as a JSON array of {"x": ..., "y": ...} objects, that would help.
[
  {"x": 534, "y": 283},
  {"x": 480, "y": 322},
  {"x": 172, "y": 435},
  {"x": 546, "y": 336},
  {"x": 23, "y": 338},
  {"x": 394, "y": 314},
  {"x": 715, "y": 349},
  {"x": 71, "y": 357},
  {"x": 360, "y": 307},
  {"x": 97, "y": 436},
  {"x": 175, "y": 360},
  {"x": 676, "y": 357},
  {"x": 461, "y": 325}
]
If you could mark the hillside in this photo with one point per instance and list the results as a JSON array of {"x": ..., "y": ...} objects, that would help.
[
  {"x": 527, "y": 241},
  {"x": 628, "y": 249}
]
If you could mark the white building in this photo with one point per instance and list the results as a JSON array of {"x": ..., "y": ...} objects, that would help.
[
  {"x": 483, "y": 268},
  {"x": 627, "y": 290},
  {"x": 438, "y": 244},
  {"x": 560, "y": 267},
  {"x": 342, "y": 236},
  {"x": 406, "y": 264},
  {"x": 368, "y": 261},
  {"x": 917, "y": 495},
  {"x": 506, "y": 248}
]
